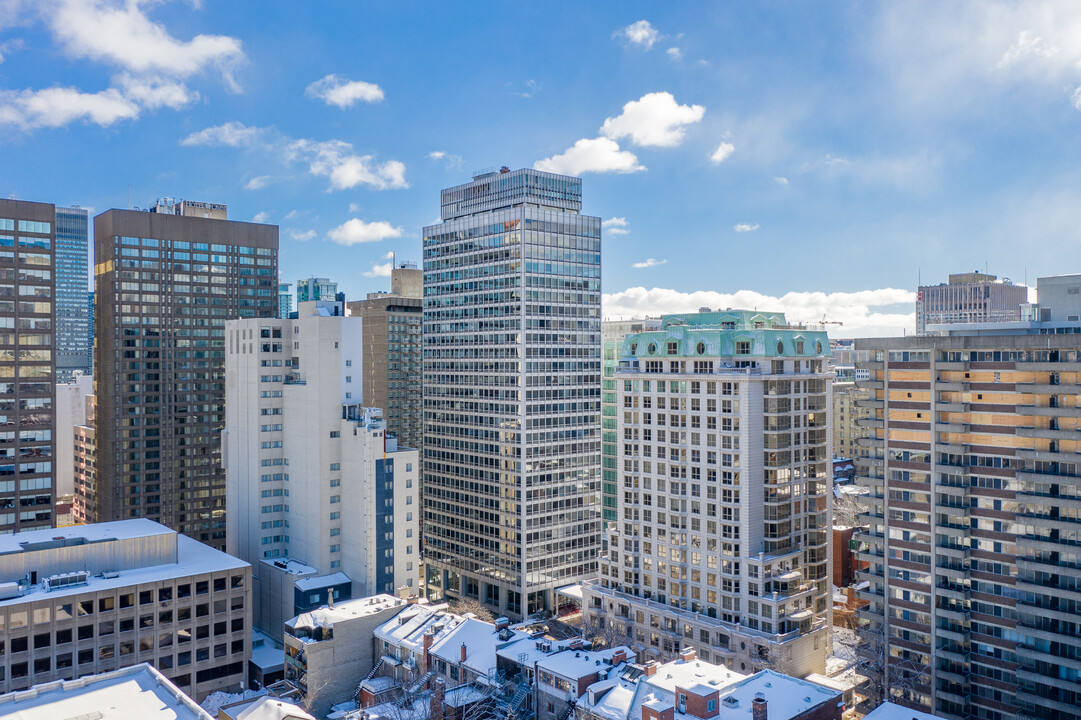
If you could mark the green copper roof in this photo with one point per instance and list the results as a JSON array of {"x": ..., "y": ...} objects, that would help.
[{"x": 721, "y": 334}]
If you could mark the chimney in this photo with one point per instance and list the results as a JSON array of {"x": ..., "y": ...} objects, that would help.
[
  {"x": 428, "y": 639},
  {"x": 412, "y": 599},
  {"x": 758, "y": 709},
  {"x": 651, "y": 668},
  {"x": 687, "y": 654},
  {"x": 463, "y": 653},
  {"x": 619, "y": 656},
  {"x": 330, "y": 598},
  {"x": 435, "y": 703}
]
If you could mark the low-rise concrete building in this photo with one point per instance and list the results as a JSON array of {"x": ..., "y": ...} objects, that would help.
[
  {"x": 692, "y": 689},
  {"x": 131, "y": 693},
  {"x": 89, "y": 599},
  {"x": 328, "y": 651}
]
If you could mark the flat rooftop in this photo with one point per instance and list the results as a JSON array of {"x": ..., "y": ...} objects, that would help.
[
  {"x": 138, "y": 692},
  {"x": 193, "y": 558},
  {"x": 28, "y": 540}
]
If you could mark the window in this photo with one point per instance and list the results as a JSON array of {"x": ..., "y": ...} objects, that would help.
[
  {"x": 335, "y": 434},
  {"x": 743, "y": 347}
]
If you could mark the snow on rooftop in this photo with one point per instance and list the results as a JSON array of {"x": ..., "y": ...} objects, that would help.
[
  {"x": 576, "y": 664},
  {"x": 345, "y": 611},
  {"x": 624, "y": 700},
  {"x": 481, "y": 640},
  {"x": 890, "y": 711},
  {"x": 268, "y": 708},
  {"x": 306, "y": 584},
  {"x": 293, "y": 567},
  {"x": 194, "y": 558},
  {"x": 264, "y": 653},
  {"x": 138, "y": 692},
  {"x": 407, "y": 628},
  {"x": 97, "y": 532},
  {"x": 573, "y": 591},
  {"x": 785, "y": 696}
]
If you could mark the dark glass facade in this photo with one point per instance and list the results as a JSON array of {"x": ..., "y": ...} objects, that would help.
[
  {"x": 165, "y": 286},
  {"x": 27, "y": 365},
  {"x": 72, "y": 316}
]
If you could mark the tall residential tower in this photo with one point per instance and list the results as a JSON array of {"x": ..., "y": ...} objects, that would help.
[
  {"x": 722, "y": 537},
  {"x": 512, "y": 383},
  {"x": 166, "y": 284}
]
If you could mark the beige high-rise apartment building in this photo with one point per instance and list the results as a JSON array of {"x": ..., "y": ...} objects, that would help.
[
  {"x": 973, "y": 461},
  {"x": 722, "y": 537},
  {"x": 849, "y": 407}
]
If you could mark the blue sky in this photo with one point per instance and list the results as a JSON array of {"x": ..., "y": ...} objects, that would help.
[{"x": 815, "y": 158}]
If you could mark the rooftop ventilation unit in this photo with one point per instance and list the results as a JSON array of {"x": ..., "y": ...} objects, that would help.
[{"x": 64, "y": 580}]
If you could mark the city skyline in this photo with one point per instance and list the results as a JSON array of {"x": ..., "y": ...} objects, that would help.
[{"x": 709, "y": 139}]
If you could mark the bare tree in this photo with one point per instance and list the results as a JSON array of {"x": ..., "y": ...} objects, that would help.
[
  {"x": 468, "y": 605},
  {"x": 888, "y": 678},
  {"x": 604, "y": 632}
]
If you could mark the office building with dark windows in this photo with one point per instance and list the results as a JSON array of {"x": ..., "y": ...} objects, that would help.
[
  {"x": 391, "y": 338},
  {"x": 72, "y": 315},
  {"x": 511, "y": 388},
  {"x": 27, "y": 365},
  {"x": 166, "y": 284}
]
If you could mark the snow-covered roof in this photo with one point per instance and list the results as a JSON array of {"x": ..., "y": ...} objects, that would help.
[
  {"x": 193, "y": 558},
  {"x": 96, "y": 532},
  {"x": 577, "y": 664},
  {"x": 346, "y": 610},
  {"x": 785, "y": 696},
  {"x": 138, "y": 692},
  {"x": 481, "y": 641},
  {"x": 890, "y": 711},
  {"x": 268, "y": 708},
  {"x": 378, "y": 684},
  {"x": 316, "y": 582},
  {"x": 407, "y": 628},
  {"x": 293, "y": 567},
  {"x": 624, "y": 701},
  {"x": 572, "y": 591},
  {"x": 264, "y": 653}
]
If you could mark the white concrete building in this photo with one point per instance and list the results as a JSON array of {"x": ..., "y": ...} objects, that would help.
[
  {"x": 312, "y": 476},
  {"x": 88, "y": 599},
  {"x": 132, "y": 693},
  {"x": 70, "y": 413},
  {"x": 722, "y": 539}
]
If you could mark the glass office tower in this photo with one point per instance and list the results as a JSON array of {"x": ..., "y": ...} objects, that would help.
[
  {"x": 27, "y": 365},
  {"x": 72, "y": 317},
  {"x": 512, "y": 391},
  {"x": 166, "y": 284}
]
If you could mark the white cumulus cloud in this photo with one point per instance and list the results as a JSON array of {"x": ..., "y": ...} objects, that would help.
[
  {"x": 780, "y": 180},
  {"x": 155, "y": 91},
  {"x": 333, "y": 159},
  {"x": 356, "y": 231},
  {"x": 746, "y": 227},
  {"x": 230, "y": 134},
  {"x": 342, "y": 92},
  {"x": 378, "y": 270},
  {"x": 615, "y": 225},
  {"x": 452, "y": 161},
  {"x": 258, "y": 183},
  {"x": 118, "y": 32},
  {"x": 653, "y": 120},
  {"x": 58, "y": 106},
  {"x": 591, "y": 155},
  {"x": 304, "y": 236},
  {"x": 261, "y": 217},
  {"x": 675, "y": 53},
  {"x": 648, "y": 263},
  {"x": 722, "y": 152},
  {"x": 865, "y": 313},
  {"x": 640, "y": 34}
]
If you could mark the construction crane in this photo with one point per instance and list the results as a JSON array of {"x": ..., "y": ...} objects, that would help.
[{"x": 824, "y": 321}]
